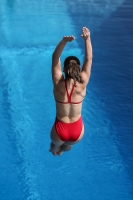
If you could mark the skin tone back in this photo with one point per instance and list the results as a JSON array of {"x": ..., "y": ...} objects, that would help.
[{"x": 69, "y": 113}]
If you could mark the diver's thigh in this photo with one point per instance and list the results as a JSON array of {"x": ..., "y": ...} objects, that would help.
[
  {"x": 81, "y": 135},
  {"x": 54, "y": 137}
]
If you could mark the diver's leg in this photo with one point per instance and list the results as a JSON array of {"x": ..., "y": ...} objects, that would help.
[
  {"x": 56, "y": 142},
  {"x": 54, "y": 149},
  {"x": 64, "y": 147}
]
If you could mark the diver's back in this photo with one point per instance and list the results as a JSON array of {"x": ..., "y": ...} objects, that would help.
[{"x": 69, "y": 100}]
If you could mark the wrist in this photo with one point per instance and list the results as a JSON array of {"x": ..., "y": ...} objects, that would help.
[
  {"x": 63, "y": 41},
  {"x": 87, "y": 39}
]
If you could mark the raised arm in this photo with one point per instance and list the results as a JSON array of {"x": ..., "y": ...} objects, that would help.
[
  {"x": 56, "y": 67},
  {"x": 86, "y": 69}
]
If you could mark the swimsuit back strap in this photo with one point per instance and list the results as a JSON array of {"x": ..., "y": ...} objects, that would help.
[{"x": 69, "y": 95}]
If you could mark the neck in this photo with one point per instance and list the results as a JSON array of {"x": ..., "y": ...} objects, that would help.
[{"x": 71, "y": 81}]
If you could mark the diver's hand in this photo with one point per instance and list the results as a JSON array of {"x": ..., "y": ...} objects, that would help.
[
  {"x": 68, "y": 38},
  {"x": 85, "y": 33}
]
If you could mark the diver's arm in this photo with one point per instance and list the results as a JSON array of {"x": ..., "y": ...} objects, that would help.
[
  {"x": 56, "y": 67},
  {"x": 86, "y": 69}
]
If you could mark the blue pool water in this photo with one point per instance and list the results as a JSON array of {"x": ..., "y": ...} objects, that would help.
[{"x": 100, "y": 166}]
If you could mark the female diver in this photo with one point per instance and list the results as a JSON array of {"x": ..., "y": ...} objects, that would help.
[{"x": 69, "y": 93}]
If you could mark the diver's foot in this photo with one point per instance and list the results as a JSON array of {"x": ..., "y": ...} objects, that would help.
[
  {"x": 54, "y": 149},
  {"x": 64, "y": 148},
  {"x": 59, "y": 153}
]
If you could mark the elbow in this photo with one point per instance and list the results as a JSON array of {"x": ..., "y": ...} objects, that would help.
[
  {"x": 89, "y": 58},
  {"x": 53, "y": 54}
]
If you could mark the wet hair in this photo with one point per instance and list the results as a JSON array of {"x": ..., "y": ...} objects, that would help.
[{"x": 72, "y": 68}]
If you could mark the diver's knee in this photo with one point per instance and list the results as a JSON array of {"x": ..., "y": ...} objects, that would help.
[{"x": 66, "y": 147}]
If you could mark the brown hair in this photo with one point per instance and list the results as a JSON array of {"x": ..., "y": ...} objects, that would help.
[{"x": 72, "y": 68}]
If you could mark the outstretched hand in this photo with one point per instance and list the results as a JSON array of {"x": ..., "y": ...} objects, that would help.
[
  {"x": 68, "y": 38},
  {"x": 85, "y": 33}
]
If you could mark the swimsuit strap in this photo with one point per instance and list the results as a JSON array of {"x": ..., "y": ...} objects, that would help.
[{"x": 69, "y": 95}]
